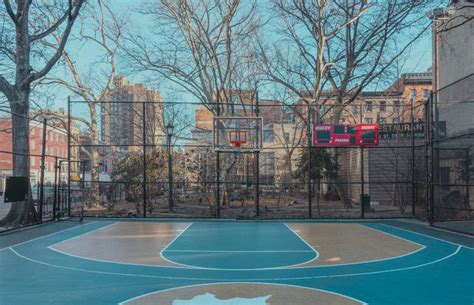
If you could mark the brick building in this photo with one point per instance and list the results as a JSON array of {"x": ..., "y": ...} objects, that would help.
[
  {"x": 122, "y": 116},
  {"x": 56, "y": 145}
]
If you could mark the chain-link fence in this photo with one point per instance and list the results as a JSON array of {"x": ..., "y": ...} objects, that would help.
[
  {"x": 181, "y": 175},
  {"x": 48, "y": 148},
  {"x": 452, "y": 153}
]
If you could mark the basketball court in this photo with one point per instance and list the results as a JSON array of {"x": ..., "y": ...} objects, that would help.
[{"x": 236, "y": 262}]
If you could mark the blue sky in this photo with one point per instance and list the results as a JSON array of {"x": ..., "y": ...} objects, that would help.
[{"x": 418, "y": 59}]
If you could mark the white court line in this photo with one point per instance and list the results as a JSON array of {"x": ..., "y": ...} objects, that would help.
[
  {"x": 307, "y": 244},
  {"x": 54, "y": 233},
  {"x": 187, "y": 266},
  {"x": 426, "y": 225},
  {"x": 241, "y": 251},
  {"x": 298, "y": 266},
  {"x": 390, "y": 234},
  {"x": 178, "y": 265},
  {"x": 432, "y": 237},
  {"x": 77, "y": 236},
  {"x": 244, "y": 283},
  {"x": 422, "y": 247},
  {"x": 232, "y": 279},
  {"x": 169, "y": 244},
  {"x": 112, "y": 262}
]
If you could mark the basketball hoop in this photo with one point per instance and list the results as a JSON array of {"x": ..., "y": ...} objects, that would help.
[
  {"x": 237, "y": 134},
  {"x": 237, "y": 138}
]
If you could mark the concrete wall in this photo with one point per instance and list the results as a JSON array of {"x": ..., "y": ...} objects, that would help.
[{"x": 455, "y": 62}]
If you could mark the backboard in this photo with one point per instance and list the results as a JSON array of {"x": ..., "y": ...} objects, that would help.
[{"x": 237, "y": 133}]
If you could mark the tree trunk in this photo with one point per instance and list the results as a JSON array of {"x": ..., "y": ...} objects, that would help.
[
  {"x": 337, "y": 182},
  {"x": 95, "y": 159},
  {"x": 21, "y": 213}
]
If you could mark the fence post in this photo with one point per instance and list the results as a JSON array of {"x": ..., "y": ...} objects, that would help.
[
  {"x": 468, "y": 178},
  {"x": 218, "y": 163},
  {"x": 362, "y": 173},
  {"x": 427, "y": 173},
  {"x": 257, "y": 161},
  {"x": 413, "y": 172},
  {"x": 43, "y": 153},
  {"x": 432, "y": 168},
  {"x": 55, "y": 202},
  {"x": 144, "y": 157},
  {"x": 310, "y": 193},
  {"x": 60, "y": 190},
  {"x": 69, "y": 156}
]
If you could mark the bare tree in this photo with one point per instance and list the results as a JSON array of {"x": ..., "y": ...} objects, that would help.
[
  {"x": 342, "y": 45},
  {"x": 195, "y": 45},
  {"x": 28, "y": 61},
  {"x": 101, "y": 30}
]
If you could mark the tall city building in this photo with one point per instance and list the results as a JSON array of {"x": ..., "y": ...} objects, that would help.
[
  {"x": 131, "y": 116},
  {"x": 129, "y": 112}
]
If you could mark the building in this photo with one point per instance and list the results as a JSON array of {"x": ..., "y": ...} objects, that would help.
[
  {"x": 391, "y": 109},
  {"x": 122, "y": 113},
  {"x": 283, "y": 134},
  {"x": 56, "y": 146},
  {"x": 390, "y": 106},
  {"x": 453, "y": 65},
  {"x": 128, "y": 111},
  {"x": 453, "y": 105}
]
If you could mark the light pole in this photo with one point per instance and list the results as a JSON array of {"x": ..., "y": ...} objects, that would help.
[{"x": 169, "y": 133}]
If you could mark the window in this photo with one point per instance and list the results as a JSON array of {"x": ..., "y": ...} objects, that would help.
[
  {"x": 268, "y": 136},
  {"x": 33, "y": 161},
  {"x": 413, "y": 94},
  {"x": 267, "y": 169},
  {"x": 33, "y": 144},
  {"x": 383, "y": 106},
  {"x": 368, "y": 120},
  {"x": 444, "y": 178},
  {"x": 426, "y": 94},
  {"x": 287, "y": 137},
  {"x": 369, "y": 107}
]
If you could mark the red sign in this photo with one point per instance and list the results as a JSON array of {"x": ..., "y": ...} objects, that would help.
[{"x": 346, "y": 135}]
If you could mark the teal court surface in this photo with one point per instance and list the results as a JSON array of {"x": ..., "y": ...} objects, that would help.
[{"x": 236, "y": 263}]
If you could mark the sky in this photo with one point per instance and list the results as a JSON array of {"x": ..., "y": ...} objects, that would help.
[{"x": 417, "y": 60}]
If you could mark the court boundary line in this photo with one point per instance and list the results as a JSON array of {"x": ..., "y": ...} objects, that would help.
[
  {"x": 434, "y": 227},
  {"x": 180, "y": 266},
  {"x": 245, "y": 280},
  {"x": 245, "y": 283},
  {"x": 48, "y": 235},
  {"x": 187, "y": 266},
  {"x": 241, "y": 251},
  {"x": 393, "y": 235},
  {"x": 425, "y": 235},
  {"x": 298, "y": 266},
  {"x": 169, "y": 244},
  {"x": 107, "y": 261},
  {"x": 77, "y": 236},
  {"x": 422, "y": 247},
  {"x": 306, "y": 243}
]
